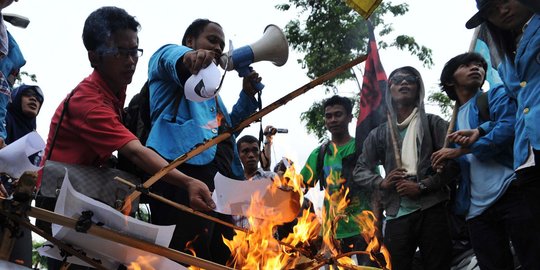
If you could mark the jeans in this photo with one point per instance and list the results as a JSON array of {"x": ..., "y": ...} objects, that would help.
[
  {"x": 491, "y": 232},
  {"x": 427, "y": 229}
]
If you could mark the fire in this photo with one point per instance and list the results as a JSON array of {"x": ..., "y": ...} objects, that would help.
[
  {"x": 142, "y": 263},
  {"x": 302, "y": 249},
  {"x": 367, "y": 223}
]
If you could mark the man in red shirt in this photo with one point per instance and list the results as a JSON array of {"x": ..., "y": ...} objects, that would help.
[{"x": 91, "y": 129}]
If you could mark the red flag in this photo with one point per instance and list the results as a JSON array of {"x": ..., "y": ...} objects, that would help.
[{"x": 372, "y": 107}]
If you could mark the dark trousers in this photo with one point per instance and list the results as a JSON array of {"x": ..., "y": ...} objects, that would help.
[
  {"x": 427, "y": 229},
  {"x": 508, "y": 219},
  {"x": 528, "y": 183},
  {"x": 204, "y": 236}
]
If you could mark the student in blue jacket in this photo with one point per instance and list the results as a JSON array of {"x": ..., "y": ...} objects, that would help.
[
  {"x": 179, "y": 124},
  {"x": 495, "y": 212}
]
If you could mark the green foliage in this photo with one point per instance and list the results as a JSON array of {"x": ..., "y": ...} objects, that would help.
[
  {"x": 329, "y": 34},
  {"x": 21, "y": 78},
  {"x": 443, "y": 101},
  {"x": 314, "y": 119},
  {"x": 37, "y": 261}
]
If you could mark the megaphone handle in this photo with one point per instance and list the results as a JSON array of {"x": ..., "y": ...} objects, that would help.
[
  {"x": 243, "y": 72},
  {"x": 257, "y": 85}
]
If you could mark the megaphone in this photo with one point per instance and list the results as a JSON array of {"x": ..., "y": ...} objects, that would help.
[{"x": 273, "y": 46}]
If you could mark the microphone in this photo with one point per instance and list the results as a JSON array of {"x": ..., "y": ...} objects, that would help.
[{"x": 273, "y": 131}]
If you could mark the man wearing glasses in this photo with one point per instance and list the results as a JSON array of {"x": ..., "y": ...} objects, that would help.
[
  {"x": 413, "y": 194},
  {"x": 91, "y": 129}
]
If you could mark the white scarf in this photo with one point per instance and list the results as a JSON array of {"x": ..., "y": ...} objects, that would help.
[{"x": 409, "y": 148}]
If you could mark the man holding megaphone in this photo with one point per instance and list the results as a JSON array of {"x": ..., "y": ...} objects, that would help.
[{"x": 179, "y": 123}]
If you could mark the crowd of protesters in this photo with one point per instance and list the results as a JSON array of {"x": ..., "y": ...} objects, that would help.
[{"x": 481, "y": 167}]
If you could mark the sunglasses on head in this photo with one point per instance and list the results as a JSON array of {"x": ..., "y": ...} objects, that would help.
[{"x": 399, "y": 78}]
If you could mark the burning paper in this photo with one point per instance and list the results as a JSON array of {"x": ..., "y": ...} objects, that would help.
[
  {"x": 14, "y": 158},
  {"x": 233, "y": 197},
  {"x": 71, "y": 203}
]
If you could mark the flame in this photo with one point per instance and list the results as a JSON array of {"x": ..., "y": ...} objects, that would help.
[
  {"x": 367, "y": 224},
  {"x": 142, "y": 263},
  {"x": 259, "y": 249}
]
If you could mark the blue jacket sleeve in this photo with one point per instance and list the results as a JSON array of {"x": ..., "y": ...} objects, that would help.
[
  {"x": 162, "y": 64},
  {"x": 500, "y": 131}
]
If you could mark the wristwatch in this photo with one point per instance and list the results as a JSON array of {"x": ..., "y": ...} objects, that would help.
[{"x": 423, "y": 187}]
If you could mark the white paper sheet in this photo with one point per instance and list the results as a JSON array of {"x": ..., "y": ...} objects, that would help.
[
  {"x": 233, "y": 197},
  {"x": 14, "y": 157},
  {"x": 204, "y": 85},
  {"x": 70, "y": 203},
  {"x": 316, "y": 196}
]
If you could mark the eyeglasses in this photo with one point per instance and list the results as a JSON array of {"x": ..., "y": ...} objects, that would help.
[
  {"x": 399, "y": 78},
  {"x": 123, "y": 53}
]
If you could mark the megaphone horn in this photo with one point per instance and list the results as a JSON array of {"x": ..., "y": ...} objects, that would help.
[{"x": 272, "y": 46}]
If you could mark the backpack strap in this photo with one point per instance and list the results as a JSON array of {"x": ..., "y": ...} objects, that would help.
[
  {"x": 177, "y": 97},
  {"x": 320, "y": 163},
  {"x": 483, "y": 106},
  {"x": 57, "y": 128}
]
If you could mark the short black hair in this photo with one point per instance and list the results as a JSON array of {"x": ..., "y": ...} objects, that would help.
[
  {"x": 103, "y": 23},
  {"x": 339, "y": 100},
  {"x": 196, "y": 28},
  {"x": 246, "y": 139},
  {"x": 447, "y": 74}
]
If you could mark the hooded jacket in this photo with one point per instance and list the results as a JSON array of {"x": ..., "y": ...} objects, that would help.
[
  {"x": 17, "y": 123},
  {"x": 378, "y": 150}
]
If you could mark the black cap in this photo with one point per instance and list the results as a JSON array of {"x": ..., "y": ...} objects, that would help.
[{"x": 477, "y": 18}]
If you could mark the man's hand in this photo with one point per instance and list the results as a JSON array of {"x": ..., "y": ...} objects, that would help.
[
  {"x": 249, "y": 81},
  {"x": 200, "y": 198},
  {"x": 438, "y": 158},
  {"x": 408, "y": 188},
  {"x": 393, "y": 177},
  {"x": 464, "y": 137},
  {"x": 2, "y": 143},
  {"x": 197, "y": 60}
]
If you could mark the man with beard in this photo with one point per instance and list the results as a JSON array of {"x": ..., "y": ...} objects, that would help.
[
  {"x": 413, "y": 194},
  {"x": 496, "y": 213}
]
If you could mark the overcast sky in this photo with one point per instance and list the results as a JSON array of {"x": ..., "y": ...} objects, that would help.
[{"x": 54, "y": 51}]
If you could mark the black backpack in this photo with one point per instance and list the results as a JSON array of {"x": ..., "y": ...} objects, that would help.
[{"x": 137, "y": 119}]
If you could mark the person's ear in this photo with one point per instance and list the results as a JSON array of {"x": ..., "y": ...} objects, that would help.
[
  {"x": 94, "y": 58},
  {"x": 190, "y": 42}
]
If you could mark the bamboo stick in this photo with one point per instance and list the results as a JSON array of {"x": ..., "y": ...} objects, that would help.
[
  {"x": 395, "y": 145},
  {"x": 203, "y": 215},
  {"x": 111, "y": 235},
  {"x": 255, "y": 116},
  {"x": 452, "y": 124}
]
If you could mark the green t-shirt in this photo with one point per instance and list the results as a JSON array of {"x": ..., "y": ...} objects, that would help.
[{"x": 332, "y": 163}]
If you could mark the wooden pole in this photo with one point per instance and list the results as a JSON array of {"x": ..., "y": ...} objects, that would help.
[
  {"x": 255, "y": 116},
  {"x": 111, "y": 235},
  {"x": 452, "y": 124},
  {"x": 395, "y": 145},
  {"x": 203, "y": 215}
]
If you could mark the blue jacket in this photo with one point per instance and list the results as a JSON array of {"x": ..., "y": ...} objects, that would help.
[
  {"x": 522, "y": 80},
  {"x": 495, "y": 145},
  {"x": 195, "y": 122},
  {"x": 9, "y": 66}
]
